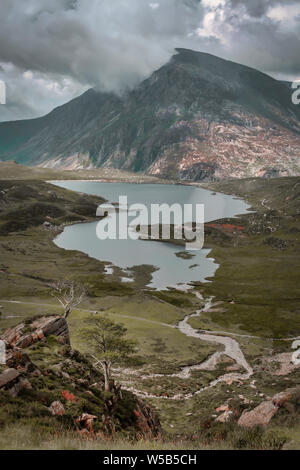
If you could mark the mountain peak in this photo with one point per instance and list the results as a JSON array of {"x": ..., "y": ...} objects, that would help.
[{"x": 198, "y": 117}]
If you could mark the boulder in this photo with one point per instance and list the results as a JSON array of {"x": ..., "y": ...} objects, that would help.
[
  {"x": 56, "y": 326},
  {"x": 224, "y": 417},
  {"x": 8, "y": 376},
  {"x": 263, "y": 413},
  {"x": 21, "y": 384},
  {"x": 281, "y": 398},
  {"x": 57, "y": 408}
]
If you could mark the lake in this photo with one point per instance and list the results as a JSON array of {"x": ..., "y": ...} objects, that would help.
[{"x": 171, "y": 270}]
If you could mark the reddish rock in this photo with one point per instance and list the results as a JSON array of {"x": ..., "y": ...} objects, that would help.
[
  {"x": 87, "y": 421},
  {"x": 40, "y": 328},
  {"x": 283, "y": 397},
  {"x": 224, "y": 417},
  {"x": 222, "y": 408},
  {"x": 227, "y": 227},
  {"x": 56, "y": 326},
  {"x": 12, "y": 335},
  {"x": 261, "y": 415},
  {"x": 25, "y": 341},
  {"x": 147, "y": 423}
]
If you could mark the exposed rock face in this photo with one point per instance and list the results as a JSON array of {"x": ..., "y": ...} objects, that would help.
[
  {"x": 20, "y": 337},
  {"x": 56, "y": 326},
  {"x": 120, "y": 409},
  {"x": 285, "y": 362},
  {"x": 201, "y": 171},
  {"x": 197, "y": 118},
  {"x": 263, "y": 413},
  {"x": 147, "y": 423}
]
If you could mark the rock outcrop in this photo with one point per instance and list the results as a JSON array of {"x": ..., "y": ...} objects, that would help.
[
  {"x": 66, "y": 385},
  {"x": 147, "y": 424},
  {"x": 23, "y": 336},
  {"x": 263, "y": 413}
]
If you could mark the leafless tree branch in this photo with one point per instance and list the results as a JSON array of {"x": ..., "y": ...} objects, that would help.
[{"x": 69, "y": 294}]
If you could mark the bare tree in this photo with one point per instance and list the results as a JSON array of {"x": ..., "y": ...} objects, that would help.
[{"x": 69, "y": 294}]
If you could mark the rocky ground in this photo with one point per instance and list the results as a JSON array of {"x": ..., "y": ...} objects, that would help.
[{"x": 47, "y": 383}]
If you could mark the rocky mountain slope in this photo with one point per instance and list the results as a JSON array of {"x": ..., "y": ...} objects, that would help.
[
  {"x": 45, "y": 383},
  {"x": 198, "y": 117}
]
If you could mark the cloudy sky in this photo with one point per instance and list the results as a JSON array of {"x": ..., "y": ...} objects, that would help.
[{"x": 53, "y": 50}]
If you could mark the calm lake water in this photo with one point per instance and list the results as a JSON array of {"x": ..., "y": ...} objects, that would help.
[{"x": 172, "y": 271}]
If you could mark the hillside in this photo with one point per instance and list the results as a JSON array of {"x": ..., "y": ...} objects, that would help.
[
  {"x": 255, "y": 307},
  {"x": 198, "y": 117},
  {"x": 63, "y": 389}
]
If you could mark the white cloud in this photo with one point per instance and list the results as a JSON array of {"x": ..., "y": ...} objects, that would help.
[{"x": 154, "y": 6}]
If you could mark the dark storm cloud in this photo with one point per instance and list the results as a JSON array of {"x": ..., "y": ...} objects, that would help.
[
  {"x": 267, "y": 49},
  {"x": 265, "y": 34},
  {"x": 112, "y": 44},
  {"x": 52, "y": 50}
]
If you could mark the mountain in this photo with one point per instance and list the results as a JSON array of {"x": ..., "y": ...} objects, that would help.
[{"x": 198, "y": 117}]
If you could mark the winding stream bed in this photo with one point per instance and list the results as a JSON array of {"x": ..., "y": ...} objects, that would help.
[{"x": 231, "y": 348}]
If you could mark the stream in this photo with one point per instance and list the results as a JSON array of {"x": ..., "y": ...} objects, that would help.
[{"x": 231, "y": 348}]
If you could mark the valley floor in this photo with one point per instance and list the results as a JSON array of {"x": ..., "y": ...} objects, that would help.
[{"x": 255, "y": 294}]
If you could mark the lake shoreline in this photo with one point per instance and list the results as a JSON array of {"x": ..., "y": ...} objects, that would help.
[{"x": 126, "y": 253}]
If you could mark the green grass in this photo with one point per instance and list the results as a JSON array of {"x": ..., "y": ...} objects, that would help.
[
  {"x": 259, "y": 274},
  {"x": 219, "y": 437},
  {"x": 14, "y": 171},
  {"x": 259, "y": 268},
  {"x": 161, "y": 349},
  {"x": 26, "y": 438}
]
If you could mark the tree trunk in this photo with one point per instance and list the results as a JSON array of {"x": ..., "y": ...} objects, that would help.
[
  {"x": 67, "y": 313},
  {"x": 106, "y": 376}
]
